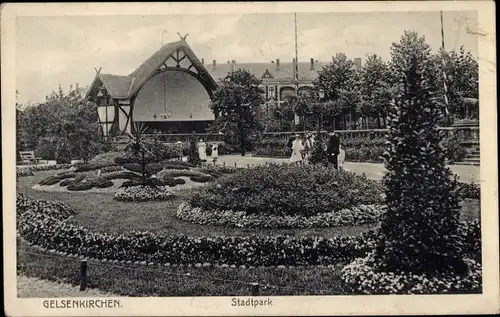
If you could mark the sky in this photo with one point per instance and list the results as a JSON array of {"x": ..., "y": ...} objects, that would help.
[{"x": 53, "y": 50}]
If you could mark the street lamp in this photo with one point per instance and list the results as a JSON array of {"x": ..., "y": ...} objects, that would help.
[
  {"x": 321, "y": 94},
  {"x": 238, "y": 98},
  {"x": 105, "y": 111}
]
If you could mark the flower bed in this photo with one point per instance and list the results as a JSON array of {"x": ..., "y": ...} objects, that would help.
[
  {"x": 29, "y": 171},
  {"x": 364, "y": 276},
  {"x": 44, "y": 226},
  {"x": 346, "y": 217},
  {"x": 143, "y": 193},
  {"x": 304, "y": 190}
]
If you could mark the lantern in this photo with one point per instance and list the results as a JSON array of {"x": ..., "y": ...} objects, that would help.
[
  {"x": 105, "y": 111},
  {"x": 321, "y": 94}
]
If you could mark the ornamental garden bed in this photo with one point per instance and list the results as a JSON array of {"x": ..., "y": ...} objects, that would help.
[
  {"x": 105, "y": 177},
  {"x": 294, "y": 196}
]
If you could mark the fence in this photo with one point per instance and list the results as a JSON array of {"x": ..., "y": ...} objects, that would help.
[
  {"x": 465, "y": 134},
  {"x": 85, "y": 270}
]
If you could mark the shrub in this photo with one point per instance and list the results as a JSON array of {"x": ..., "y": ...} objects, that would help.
[
  {"x": 193, "y": 155},
  {"x": 22, "y": 172},
  {"x": 80, "y": 186},
  {"x": 287, "y": 190},
  {"x": 318, "y": 152},
  {"x": 108, "y": 157},
  {"x": 177, "y": 173},
  {"x": 453, "y": 148},
  {"x": 63, "y": 155},
  {"x": 121, "y": 175},
  {"x": 143, "y": 193},
  {"x": 472, "y": 191},
  {"x": 67, "y": 182},
  {"x": 201, "y": 179},
  {"x": 85, "y": 167},
  {"x": 179, "y": 181},
  {"x": 103, "y": 183},
  {"x": 346, "y": 217},
  {"x": 111, "y": 169}
]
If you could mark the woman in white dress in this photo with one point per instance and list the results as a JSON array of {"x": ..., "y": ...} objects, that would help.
[
  {"x": 341, "y": 157},
  {"x": 202, "y": 147},
  {"x": 297, "y": 148}
]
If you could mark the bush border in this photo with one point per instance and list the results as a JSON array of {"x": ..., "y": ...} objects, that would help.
[{"x": 241, "y": 219}]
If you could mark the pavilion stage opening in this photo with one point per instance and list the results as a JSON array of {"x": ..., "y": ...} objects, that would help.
[{"x": 173, "y": 101}]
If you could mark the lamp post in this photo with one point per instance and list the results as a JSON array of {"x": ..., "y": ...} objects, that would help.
[
  {"x": 321, "y": 94},
  {"x": 105, "y": 111},
  {"x": 239, "y": 104}
]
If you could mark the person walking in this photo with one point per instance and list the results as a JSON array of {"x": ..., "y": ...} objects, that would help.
[
  {"x": 297, "y": 148},
  {"x": 333, "y": 149}
]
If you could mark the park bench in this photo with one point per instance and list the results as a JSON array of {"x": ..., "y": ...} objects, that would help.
[{"x": 29, "y": 157}]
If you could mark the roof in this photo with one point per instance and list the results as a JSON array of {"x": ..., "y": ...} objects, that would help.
[
  {"x": 118, "y": 86},
  {"x": 285, "y": 71}
]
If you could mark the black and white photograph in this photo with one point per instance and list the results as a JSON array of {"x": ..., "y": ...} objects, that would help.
[{"x": 249, "y": 158}]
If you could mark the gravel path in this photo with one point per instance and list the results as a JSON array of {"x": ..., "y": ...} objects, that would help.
[{"x": 37, "y": 288}]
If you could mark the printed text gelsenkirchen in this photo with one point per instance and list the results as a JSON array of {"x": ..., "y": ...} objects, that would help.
[{"x": 78, "y": 303}]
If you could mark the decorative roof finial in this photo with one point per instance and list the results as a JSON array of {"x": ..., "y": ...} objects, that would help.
[{"x": 183, "y": 38}]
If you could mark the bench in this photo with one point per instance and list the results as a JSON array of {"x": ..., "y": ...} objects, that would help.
[{"x": 29, "y": 157}]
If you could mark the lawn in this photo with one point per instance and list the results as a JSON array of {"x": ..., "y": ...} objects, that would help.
[{"x": 99, "y": 212}]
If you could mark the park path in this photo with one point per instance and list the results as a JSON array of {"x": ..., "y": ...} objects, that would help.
[
  {"x": 467, "y": 173},
  {"x": 30, "y": 287}
]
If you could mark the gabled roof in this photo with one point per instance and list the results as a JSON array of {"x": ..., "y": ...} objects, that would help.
[{"x": 124, "y": 87}]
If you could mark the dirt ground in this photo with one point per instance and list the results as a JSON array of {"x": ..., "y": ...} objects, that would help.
[{"x": 29, "y": 287}]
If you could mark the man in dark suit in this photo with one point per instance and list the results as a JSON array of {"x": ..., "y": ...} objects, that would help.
[{"x": 333, "y": 150}]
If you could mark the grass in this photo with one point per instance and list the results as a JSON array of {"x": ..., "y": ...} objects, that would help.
[{"x": 138, "y": 281}]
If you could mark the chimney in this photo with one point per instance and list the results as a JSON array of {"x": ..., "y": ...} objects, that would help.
[
  {"x": 233, "y": 65},
  {"x": 357, "y": 61},
  {"x": 203, "y": 61},
  {"x": 277, "y": 64},
  {"x": 76, "y": 86},
  {"x": 312, "y": 63},
  {"x": 213, "y": 64}
]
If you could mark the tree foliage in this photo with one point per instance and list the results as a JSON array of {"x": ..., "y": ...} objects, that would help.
[
  {"x": 374, "y": 88},
  {"x": 62, "y": 115},
  {"x": 339, "y": 80},
  {"x": 420, "y": 227},
  {"x": 236, "y": 105}
]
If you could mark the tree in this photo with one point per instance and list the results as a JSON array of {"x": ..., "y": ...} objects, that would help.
[
  {"x": 462, "y": 81},
  {"x": 419, "y": 230},
  {"x": 236, "y": 104},
  {"x": 339, "y": 82},
  {"x": 44, "y": 124},
  {"x": 374, "y": 89}
]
